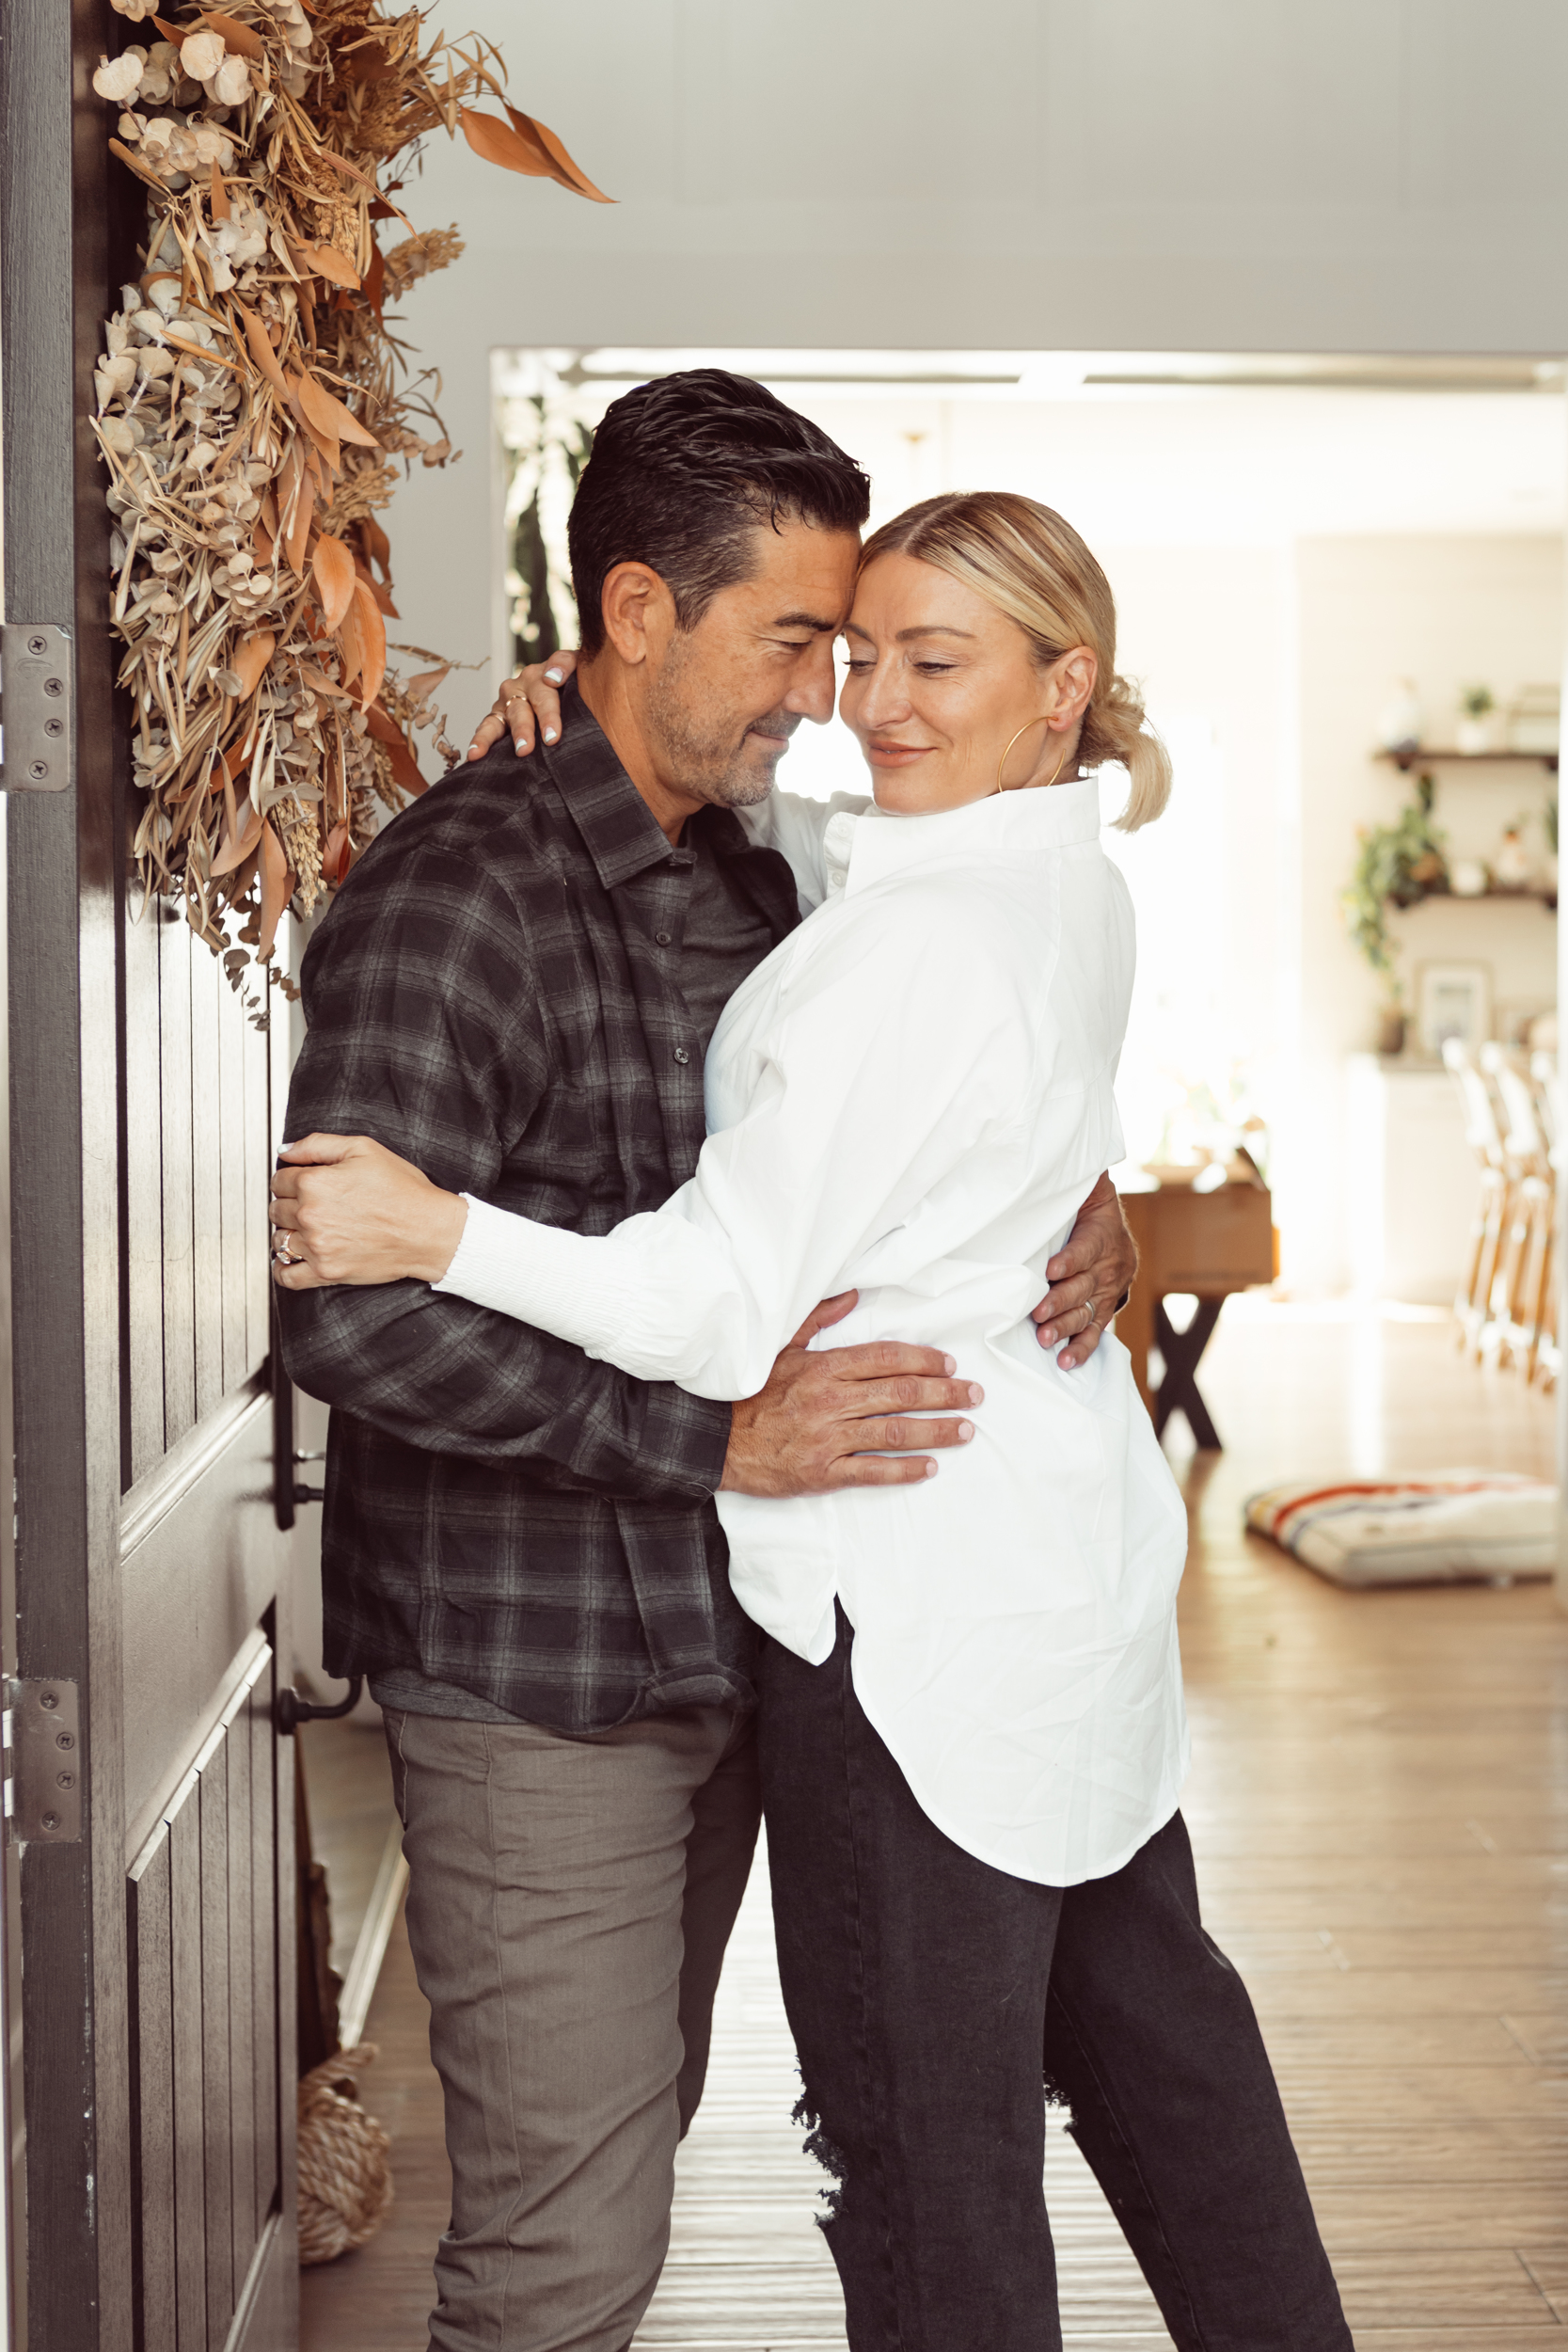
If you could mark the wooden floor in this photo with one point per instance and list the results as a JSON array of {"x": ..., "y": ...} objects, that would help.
[{"x": 1379, "y": 1806}]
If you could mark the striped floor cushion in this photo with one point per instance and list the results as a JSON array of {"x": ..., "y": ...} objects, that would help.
[{"x": 1434, "y": 1527}]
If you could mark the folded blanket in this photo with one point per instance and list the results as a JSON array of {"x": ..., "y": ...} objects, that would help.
[{"x": 1431, "y": 1527}]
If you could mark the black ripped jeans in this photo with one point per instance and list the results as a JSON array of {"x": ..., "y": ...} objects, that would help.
[{"x": 928, "y": 1993}]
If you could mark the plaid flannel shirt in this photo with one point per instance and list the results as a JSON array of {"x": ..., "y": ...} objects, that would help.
[{"x": 491, "y": 997}]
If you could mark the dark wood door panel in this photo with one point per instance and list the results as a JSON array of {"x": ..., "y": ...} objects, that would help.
[{"x": 205, "y": 1910}]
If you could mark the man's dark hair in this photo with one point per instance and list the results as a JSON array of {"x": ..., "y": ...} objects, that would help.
[{"x": 683, "y": 470}]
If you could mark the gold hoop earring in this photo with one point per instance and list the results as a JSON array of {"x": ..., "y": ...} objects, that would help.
[{"x": 1023, "y": 730}]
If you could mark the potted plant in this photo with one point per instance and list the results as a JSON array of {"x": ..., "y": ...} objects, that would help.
[
  {"x": 1474, "y": 736},
  {"x": 1397, "y": 866}
]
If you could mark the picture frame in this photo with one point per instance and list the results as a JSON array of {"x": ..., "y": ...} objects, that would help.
[{"x": 1453, "y": 1000}]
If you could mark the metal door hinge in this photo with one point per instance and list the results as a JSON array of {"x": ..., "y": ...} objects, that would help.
[
  {"x": 36, "y": 681},
  {"x": 44, "y": 1759}
]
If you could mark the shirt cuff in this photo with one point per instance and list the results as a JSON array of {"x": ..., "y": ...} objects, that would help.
[{"x": 535, "y": 1273}]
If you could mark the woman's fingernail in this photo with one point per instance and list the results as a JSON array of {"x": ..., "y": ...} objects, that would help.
[
  {"x": 930, "y": 1469},
  {"x": 1047, "y": 1335},
  {"x": 950, "y": 1364},
  {"x": 552, "y": 677},
  {"x": 966, "y": 1431},
  {"x": 550, "y": 734},
  {"x": 519, "y": 743},
  {"x": 976, "y": 1394}
]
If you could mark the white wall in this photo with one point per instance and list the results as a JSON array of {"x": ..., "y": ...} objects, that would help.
[
  {"x": 1445, "y": 610},
  {"x": 1228, "y": 175}
]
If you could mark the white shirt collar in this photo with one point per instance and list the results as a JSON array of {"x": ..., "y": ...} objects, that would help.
[{"x": 1005, "y": 826}]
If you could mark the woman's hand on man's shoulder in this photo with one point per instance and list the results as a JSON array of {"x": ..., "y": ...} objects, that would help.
[{"x": 528, "y": 708}]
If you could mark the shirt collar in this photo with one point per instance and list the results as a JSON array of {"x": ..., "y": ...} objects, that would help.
[
  {"x": 1004, "y": 828},
  {"x": 618, "y": 828}
]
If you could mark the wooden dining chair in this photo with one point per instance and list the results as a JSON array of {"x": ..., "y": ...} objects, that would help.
[
  {"x": 1552, "y": 1107},
  {"x": 1517, "y": 1299},
  {"x": 1489, "y": 1227}
]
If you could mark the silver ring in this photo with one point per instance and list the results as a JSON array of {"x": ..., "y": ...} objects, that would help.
[{"x": 283, "y": 1255}]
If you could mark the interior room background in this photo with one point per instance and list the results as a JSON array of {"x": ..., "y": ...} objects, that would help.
[{"x": 1280, "y": 557}]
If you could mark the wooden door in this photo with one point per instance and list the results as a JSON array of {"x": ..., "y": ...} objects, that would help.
[{"x": 157, "y": 1979}]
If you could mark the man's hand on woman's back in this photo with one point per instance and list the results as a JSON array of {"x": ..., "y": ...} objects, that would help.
[{"x": 844, "y": 1416}]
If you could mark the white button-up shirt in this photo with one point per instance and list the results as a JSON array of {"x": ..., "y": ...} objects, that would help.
[{"x": 912, "y": 1097}]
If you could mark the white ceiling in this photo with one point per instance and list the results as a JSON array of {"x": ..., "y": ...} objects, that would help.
[{"x": 1195, "y": 462}]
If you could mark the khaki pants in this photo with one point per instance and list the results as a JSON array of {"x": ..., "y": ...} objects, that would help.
[{"x": 569, "y": 1903}]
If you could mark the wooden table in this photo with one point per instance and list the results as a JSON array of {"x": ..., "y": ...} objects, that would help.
[{"x": 1205, "y": 1243}]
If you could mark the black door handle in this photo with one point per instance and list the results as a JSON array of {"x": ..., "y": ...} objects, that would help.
[{"x": 290, "y": 1710}]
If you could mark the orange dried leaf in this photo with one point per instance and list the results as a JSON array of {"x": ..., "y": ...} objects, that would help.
[
  {"x": 567, "y": 171},
  {"x": 338, "y": 856},
  {"x": 277, "y": 884},
  {"x": 263, "y": 352},
  {"x": 498, "y": 144},
  {"x": 405, "y": 768},
  {"x": 319, "y": 683},
  {"x": 237, "y": 36},
  {"x": 299, "y": 532},
  {"x": 335, "y": 576},
  {"x": 324, "y": 260},
  {"x": 251, "y": 661},
  {"x": 235, "y": 848},
  {"x": 427, "y": 682},
  {"x": 219, "y": 194},
  {"x": 175, "y": 33},
  {"x": 351, "y": 644},
  {"x": 323, "y": 444},
  {"x": 373, "y": 633},
  {"x": 197, "y": 351},
  {"x": 329, "y": 417}
]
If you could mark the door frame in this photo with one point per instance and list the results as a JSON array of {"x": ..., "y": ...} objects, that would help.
[
  {"x": 70, "y": 222},
  {"x": 61, "y": 228}
]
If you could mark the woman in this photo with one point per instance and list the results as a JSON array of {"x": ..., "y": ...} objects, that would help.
[{"x": 971, "y": 1735}]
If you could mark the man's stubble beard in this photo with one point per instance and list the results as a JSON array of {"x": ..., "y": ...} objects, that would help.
[{"x": 707, "y": 759}]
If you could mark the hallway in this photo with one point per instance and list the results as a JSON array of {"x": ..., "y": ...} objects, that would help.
[{"x": 1379, "y": 1803}]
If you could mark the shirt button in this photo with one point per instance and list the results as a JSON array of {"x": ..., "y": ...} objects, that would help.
[
  {"x": 682, "y": 1056},
  {"x": 662, "y": 938}
]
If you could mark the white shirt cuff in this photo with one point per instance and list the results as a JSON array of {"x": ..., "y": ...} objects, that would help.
[{"x": 535, "y": 1273}]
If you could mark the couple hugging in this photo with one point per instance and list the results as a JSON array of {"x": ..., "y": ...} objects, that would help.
[{"x": 677, "y": 1172}]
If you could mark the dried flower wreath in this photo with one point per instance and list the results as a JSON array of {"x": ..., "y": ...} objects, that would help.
[{"x": 253, "y": 406}]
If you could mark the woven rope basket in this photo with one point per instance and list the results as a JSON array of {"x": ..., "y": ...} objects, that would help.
[{"x": 345, "y": 2179}]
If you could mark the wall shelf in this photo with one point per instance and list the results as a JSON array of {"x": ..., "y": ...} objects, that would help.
[
  {"x": 1547, "y": 898},
  {"x": 1406, "y": 760}
]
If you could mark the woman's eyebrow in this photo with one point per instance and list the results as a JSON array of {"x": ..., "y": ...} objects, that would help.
[{"x": 929, "y": 629}]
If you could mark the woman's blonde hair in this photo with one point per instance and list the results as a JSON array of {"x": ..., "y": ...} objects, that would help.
[{"x": 1024, "y": 560}]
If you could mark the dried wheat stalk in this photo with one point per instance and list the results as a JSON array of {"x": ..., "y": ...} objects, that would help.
[{"x": 253, "y": 408}]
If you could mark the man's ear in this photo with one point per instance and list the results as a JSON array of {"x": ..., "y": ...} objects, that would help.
[{"x": 639, "y": 614}]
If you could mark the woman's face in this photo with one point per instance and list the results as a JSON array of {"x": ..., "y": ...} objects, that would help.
[{"x": 939, "y": 683}]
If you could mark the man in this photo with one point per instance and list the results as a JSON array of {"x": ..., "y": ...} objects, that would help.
[{"x": 515, "y": 989}]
